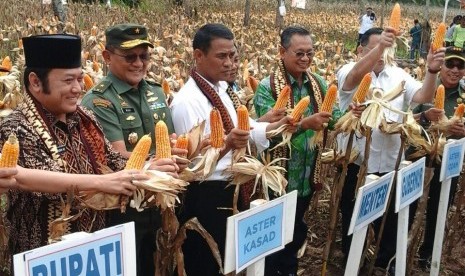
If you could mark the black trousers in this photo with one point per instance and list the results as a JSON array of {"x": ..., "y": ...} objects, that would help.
[
  {"x": 146, "y": 224},
  {"x": 285, "y": 262},
  {"x": 426, "y": 249},
  {"x": 211, "y": 203},
  {"x": 387, "y": 247}
]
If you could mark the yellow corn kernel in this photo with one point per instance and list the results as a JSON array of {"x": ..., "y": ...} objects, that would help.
[
  {"x": 459, "y": 110},
  {"x": 88, "y": 82},
  {"x": 10, "y": 152},
  {"x": 283, "y": 98},
  {"x": 162, "y": 141},
  {"x": 439, "y": 36},
  {"x": 243, "y": 118},
  {"x": 300, "y": 108},
  {"x": 166, "y": 87},
  {"x": 7, "y": 64},
  {"x": 330, "y": 99},
  {"x": 216, "y": 128},
  {"x": 95, "y": 66},
  {"x": 362, "y": 90},
  {"x": 252, "y": 83},
  {"x": 394, "y": 20},
  {"x": 440, "y": 96},
  {"x": 139, "y": 154},
  {"x": 181, "y": 143}
]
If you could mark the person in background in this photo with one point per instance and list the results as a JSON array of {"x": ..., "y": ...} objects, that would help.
[
  {"x": 384, "y": 148},
  {"x": 296, "y": 52},
  {"x": 450, "y": 75},
  {"x": 415, "y": 33},
  {"x": 458, "y": 36},
  {"x": 366, "y": 22},
  {"x": 128, "y": 107},
  {"x": 450, "y": 30}
]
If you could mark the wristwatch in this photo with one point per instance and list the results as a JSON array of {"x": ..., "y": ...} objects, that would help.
[{"x": 423, "y": 120}]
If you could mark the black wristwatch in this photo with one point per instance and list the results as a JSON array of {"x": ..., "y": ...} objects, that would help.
[{"x": 423, "y": 120}]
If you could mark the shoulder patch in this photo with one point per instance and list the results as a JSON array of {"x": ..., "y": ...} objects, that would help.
[
  {"x": 101, "y": 103},
  {"x": 101, "y": 87}
]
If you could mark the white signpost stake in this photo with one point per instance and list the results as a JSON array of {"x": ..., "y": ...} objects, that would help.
[
  {"x": 258, "y": 232},
  {"x": 409, "y": 188},
  {"x": 452, "y": 161},
  {"x": 371, "y": 203}
]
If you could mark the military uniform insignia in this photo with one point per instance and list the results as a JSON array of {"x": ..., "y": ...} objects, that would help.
[
  {"x": 152, "y": 99},
  {"x": 124, "y": 104},
  {"x": 127, "y": 110},
  {"x": 459, "y": 100},
  {"x": 130, "y": 118},
  {"x": 101, "y": 102},
  {"x": 149, "y": 93},
  {"x": 137, "y": 30},
  {"x": 155, "y": 116},
  {"x": 101, "y": 87},
  {"x": 164, "y": 115},
  {"x": 132, "y": 138}
]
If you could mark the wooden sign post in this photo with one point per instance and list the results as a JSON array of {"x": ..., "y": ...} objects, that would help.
[
  {"x": 111, "y": 251},
  {"x": 409, "y": 188},
  {"x": 258, "y": 232},
  {"x": 451, "y": 165},
  {"x": 370, "y": 204}
]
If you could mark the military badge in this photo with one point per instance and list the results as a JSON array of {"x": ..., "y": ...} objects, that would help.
[
  {"x": 130, "y": 118},
  {"x": 149, "y": 93},
  {"x": 124, "y": 104},
  {"x": 152, "y": 99},
  {"x": 101, "y": 102},
  {"x": 132, "y": 138},
  {"x": 155, "y": 116}
]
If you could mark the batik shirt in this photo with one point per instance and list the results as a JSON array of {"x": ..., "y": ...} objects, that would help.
[{"x": 30, "y": 213}]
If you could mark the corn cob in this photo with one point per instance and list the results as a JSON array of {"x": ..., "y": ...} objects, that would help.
[
  {"x": 330, "y": 99},
  {"x": 440, "y": 96},
  {"x": 216, "y": 128},
  {"x": 6, "y": 63},
  {"x": 394, "y": 20},
  {"x": 459, "y": 110},
  {"x": 252, "y": 83},
  {"x": 166, "y": 87},
  {"x": 283, "y": 98},
  {"x": 139, "y": 154},
  {"x": 360, "y": 95},
  {"x": 243, "y": 118},
  {"x": 88, "y": 82},
  {"x": 439, "y": 36},
  {"x": 95, "y": 66},
  {"x": 300, "y": 108},
  {"x": 162, "y": 141},
  {"x": 10, "y": 152},
  {"x": 181, "y": 143}
]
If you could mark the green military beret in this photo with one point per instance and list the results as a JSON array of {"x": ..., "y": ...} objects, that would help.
[{"x": 127, "y": 36}]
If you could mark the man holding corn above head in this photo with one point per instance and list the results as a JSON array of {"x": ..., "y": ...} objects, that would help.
[
  {"x": 384, "y": 148},
  {"x": 450, "y": 77},
  {"x": 128, "y": 107},
  {"x": 211, "y": 201},
  {"x": 56, "y": 135},
  {"x": 296, "y": 51}
]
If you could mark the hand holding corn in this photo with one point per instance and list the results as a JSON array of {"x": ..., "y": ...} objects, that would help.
[
  {"x": 7, "y": 180},
  {"x": 273, "y": 115},
  {"x": 237, "y": 138},
  {"x": 316, "y": 121},
  {"x": 167, "y": 165},
  {"x": 457, "y": 129}
]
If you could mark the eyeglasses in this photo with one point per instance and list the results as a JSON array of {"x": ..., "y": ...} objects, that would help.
[
  {"x": 450, "y": 63},
  {"x": 133, "y": 57},
  {"x": 301, "y": 55}
]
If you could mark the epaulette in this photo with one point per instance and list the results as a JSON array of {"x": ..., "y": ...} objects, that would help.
[
  {"x": 153, "y": 83},
  {"x": 102, "y": 86}
]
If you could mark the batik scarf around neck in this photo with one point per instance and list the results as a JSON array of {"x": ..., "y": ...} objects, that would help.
[
  {"x": 89, "y": 148},
  {"x": 278, "y": 80}
]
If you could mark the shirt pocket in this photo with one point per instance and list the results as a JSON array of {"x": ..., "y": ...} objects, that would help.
[{"x": 131, "y": 125}]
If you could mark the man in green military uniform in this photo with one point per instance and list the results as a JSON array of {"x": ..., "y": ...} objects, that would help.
[{"x": 128, "y": 107}]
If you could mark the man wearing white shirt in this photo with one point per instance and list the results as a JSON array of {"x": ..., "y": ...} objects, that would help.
[
  {"x": 366, "y": 22},
  {"x": 384, "y": 148},
  {"x": 211, "y": 201}
]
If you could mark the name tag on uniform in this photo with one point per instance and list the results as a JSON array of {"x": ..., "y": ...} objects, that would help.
[
  {"x": 127, "y": 110},
  {"x": 157, "y": 105}
]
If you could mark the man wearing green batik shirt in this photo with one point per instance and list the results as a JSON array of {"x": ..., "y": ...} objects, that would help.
[
  {"x": 296, "y": 53},
  {"x": 128, "y": 107}
]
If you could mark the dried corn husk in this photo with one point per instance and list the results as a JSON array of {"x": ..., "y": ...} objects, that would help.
[
  {"x": 195, "y": 136},
  {"x": 161, "y": 190},
  {"x": 206, "y": 165},
  {"x": 332, "y": 156},
  {"x": 59, "y": 226},
  {"x": 269, "y": 175}
]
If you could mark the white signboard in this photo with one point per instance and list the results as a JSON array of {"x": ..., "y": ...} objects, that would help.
[
  {"x": 371, "y": 202},
  {"x": 410, "y": 184},
  {"x": 452, "y": 159},
  {"x": 300, "y": 4},
  {"x": 259, "y": 232},
  {"x": 111, "y": 251}
]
